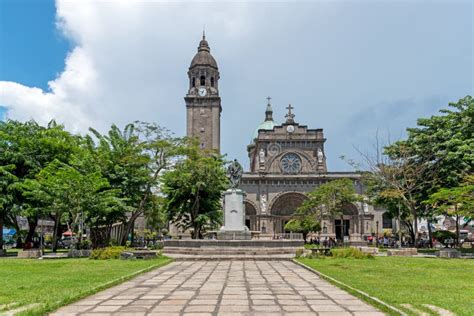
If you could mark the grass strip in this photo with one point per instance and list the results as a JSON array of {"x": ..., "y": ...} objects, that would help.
[
  {"x": 51, "y": 306},
  {"x": 356, "y": 292}
]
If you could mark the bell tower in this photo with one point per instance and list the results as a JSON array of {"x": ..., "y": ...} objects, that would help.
[{"x": 203, "y": 104}]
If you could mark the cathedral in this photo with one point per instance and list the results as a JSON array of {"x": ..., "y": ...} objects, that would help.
[{"x": 287, "y": 161}]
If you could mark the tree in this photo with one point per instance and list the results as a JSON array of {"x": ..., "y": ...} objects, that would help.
[
  {"x": 71, "y": 196},
  {"x": 193, "y": 191},
  {"x": 303, "y": 225},
  {"x": 28, "y": 147},
  {"x": 6, "y": 197},
  {"x": 456, "y": 201},
  {"x": 329, "y": 199},
  {"x": 133, "y": 161},
  {"x": 438, "y": 153},
  {"x": 447, "y": 143}
]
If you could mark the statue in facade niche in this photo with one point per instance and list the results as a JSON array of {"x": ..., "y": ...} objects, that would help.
[
  {"x": 320, "y": 155},
  {"x": 262, "y": 156},
  {"x": 263, "y": 203},
  {"x": 234, "y": 172}
]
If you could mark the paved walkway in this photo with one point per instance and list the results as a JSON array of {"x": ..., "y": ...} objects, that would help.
[{"x": 223, "y": 288}]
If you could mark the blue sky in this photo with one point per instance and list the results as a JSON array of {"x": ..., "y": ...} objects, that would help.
[
  {"x": 32, "y": 51},
  {"x": 350, "y": 67}
]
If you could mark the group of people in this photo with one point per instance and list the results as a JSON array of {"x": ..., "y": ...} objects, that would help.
[{"x": 326, "y": 242}]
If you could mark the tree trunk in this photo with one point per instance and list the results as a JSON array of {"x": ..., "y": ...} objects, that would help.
[
  {"x": 415, "y": 228},
  {"x": 430, "y": 233},
  {"x": 32, "y": 223},
  {"x": 129, "y": 226},
  {"x": 55, "y": 234},
  {"x": 410, "y": 229}
]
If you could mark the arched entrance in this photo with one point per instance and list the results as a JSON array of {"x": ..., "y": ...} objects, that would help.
[
  {"x": 347, "y": 223},
  {"x": 250, "y": 216},
  {"x": 283, "y": 207}
]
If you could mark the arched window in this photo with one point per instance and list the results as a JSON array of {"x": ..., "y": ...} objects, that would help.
[
  {"x": 194, "y": 82},
  {"x": 386, "y": 220},
  {"x": 203, "y": 81},
  {"x": 212, "y": 81}
]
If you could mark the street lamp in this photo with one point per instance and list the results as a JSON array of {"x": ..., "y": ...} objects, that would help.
[{"x": 377, "y": 233}]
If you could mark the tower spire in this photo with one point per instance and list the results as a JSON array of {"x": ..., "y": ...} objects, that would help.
[
  {"x": 290, "y": 117},
  {"x": 204, "y": 32},
  {"x": 269, "y": 111}
]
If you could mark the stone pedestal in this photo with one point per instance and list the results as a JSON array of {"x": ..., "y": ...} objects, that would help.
[
  {"x": 403, "y": 252},
  {"x": 234, "y": 217},
  {"x": 449, "y": 253},
  {"x": 29, "y": 254}
]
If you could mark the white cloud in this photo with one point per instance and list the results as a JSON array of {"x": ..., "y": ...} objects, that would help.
[
  {"x": 344, "y": 66},
  {"x": 128, "y": 63}
]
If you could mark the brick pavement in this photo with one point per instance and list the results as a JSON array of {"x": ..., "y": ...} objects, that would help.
[{"x": 223, "y": 288}]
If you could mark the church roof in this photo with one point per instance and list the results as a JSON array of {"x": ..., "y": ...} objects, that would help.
[
  {"x": 268, "y": 124},
  {"x": 203, "y": 57}
]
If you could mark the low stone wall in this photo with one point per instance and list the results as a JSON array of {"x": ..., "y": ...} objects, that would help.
[
  {"x": 259, "y": 243},
  {"x": 448, "y": 253},
  {"x": 74, "y": 253},
  {"x": 138, "y": 254},
  {"x": 370, "y": 250},
  {"x": 29, "y": 254},
  {"x": 403, "y": 252}
]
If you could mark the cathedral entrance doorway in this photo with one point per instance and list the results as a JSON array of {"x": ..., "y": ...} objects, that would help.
[
  {"x": 283, "y": 208},
  {"x": 251, "y": 216},
  {"x": 342, "y": 228}
]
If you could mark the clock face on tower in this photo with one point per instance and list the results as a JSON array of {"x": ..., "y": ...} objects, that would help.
[
  {"x": 202, "y": 92},
  {"x": 290, "y": 163}
]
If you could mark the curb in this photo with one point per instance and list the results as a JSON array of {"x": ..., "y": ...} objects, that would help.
[
  {"x": 327, "y": 277},
  {"x": 105, "y": 286}
]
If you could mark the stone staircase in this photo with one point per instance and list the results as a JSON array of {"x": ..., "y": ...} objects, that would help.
[{"x": 230, "y": 253}]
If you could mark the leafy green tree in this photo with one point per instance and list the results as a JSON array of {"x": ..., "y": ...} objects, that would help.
[
  {"x": 304, "y": 225},
  {"x": 446, "y": 143},
  {"x": 27, "y": 148},
  {"x": 456, "y": 201},
  {"x": 7, "y": 179},
  {"x": 71, "y": 196},
  {"x": 193, "y": 191},
  {"x": 133, "y": 161},
  {"x": 329, "y": 199}
]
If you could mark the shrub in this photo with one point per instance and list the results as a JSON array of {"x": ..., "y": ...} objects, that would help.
[
  {"x": 84, "y": 245},
  {"x": 107, "y": 253},
  {"x": 299, "y": 253},
  {"x": 350, "y": 253},
  {"x": 444, "y": 236}
]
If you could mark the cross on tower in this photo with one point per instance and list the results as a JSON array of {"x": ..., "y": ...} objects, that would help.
[{"x": 290, "y": 116}]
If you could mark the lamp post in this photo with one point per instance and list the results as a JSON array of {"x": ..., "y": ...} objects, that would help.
[{"x": 377, "y": 233}]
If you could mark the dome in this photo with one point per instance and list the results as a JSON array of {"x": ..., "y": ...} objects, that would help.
[
  {"x": 203, "y": 56},
  {"x": 267, "y": 125}
]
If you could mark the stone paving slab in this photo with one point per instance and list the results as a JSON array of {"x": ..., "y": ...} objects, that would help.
[{"x": 218, "y": 287}]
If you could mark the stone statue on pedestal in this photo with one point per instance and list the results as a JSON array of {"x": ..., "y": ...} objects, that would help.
[
  {"x": 234, "y": 171},
  {"x": 234, "y": 211}
]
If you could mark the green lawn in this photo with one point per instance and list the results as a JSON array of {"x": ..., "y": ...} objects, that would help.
[
  {"x": 448, "y": 284},
  {"x": 54, "y": 283}
]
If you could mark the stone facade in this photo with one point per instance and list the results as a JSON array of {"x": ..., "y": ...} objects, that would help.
[
  {"x": 203, "y": 104},
  {"x": 287, "y": 161}
]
